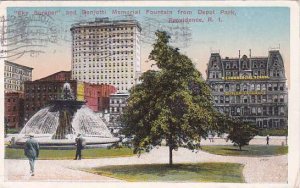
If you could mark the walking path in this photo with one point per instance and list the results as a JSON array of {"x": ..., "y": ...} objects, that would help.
[{"x": 256, "y": 169}]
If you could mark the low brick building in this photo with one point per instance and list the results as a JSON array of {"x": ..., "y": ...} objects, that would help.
[
  {"x": 14, "y": 110},
  {"x": 40, "y": 92}
]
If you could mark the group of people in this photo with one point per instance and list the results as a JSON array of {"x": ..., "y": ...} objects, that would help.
[{"x": 32, "y": 148}]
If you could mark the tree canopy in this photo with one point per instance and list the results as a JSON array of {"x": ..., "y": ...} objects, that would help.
[
  {"x": 172, "y": 104},
  {"x": 241, "y": 133}
]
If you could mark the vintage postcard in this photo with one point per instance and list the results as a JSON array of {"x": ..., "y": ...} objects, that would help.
[{"x": 176, "y": 93}]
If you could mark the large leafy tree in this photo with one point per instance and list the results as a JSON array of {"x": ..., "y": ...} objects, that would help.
[
  {"x": 240, "y": 132},
  {"x": 172, "y": 104}
]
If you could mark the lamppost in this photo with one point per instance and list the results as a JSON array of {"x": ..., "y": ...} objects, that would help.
[{"x": 5, "y": 127}]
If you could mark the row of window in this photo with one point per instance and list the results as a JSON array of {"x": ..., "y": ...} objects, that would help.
[
  {"x": 249, "y": 99},
  {"x": 98, "y": 36},
  {"x": 11, "y": 100},
  {"x": 13, "y": 109},
  {"x": 271, "y": 123},
  {"x": 254, "y": 111},
  {"x": 248, "y": 87},
  {"x": 116, "y": 42},
  {"x": 116, "y": 109},
  {"x": 94, "y": 48},
  {"x": 97, "y": 53},
  {"x": 245, "y": 64},
  {"x": 117, "y": 101},
  {"x": 273, "y": 73},
  {"x": 105, "y": 80},
  {"x": 16, "y": 76},
  {"x": 109, "y": 71},
  {"x": 103, "y": 63},
  {"x": 14, "y": 87},
  {"x": 102, "y": 29},
  {"x": 17, "y": 70},
  {"x": 11, "y": 120}
]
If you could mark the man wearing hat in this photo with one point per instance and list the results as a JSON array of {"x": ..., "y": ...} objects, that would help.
[
  {"x": 79, "y": 146},
  {"x": 31, "y": 151}
]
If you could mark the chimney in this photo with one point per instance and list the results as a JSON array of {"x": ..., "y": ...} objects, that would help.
[
  {"x": 239, "y": 62},
  {"x": 250, "y": 59}
]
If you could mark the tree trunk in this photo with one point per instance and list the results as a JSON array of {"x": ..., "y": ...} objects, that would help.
[
  {"x": 240, "y": 147},
  {"x": 170, "y": 155},
  {"x": 170, "y": 151}
]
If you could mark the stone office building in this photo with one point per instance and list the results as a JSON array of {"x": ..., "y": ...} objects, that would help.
[
  {"x": 250, "y": 88},
  {"x": 107, "y": 51}
]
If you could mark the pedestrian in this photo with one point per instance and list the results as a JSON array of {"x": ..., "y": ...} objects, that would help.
[
  {"x": 268, "y": 139},
  {"x": 79, "y": 142},
  {"x": 31, "y": 151}
]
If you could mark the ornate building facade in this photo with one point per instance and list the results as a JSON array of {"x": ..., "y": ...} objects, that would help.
[{"x": 250, "y": 88}]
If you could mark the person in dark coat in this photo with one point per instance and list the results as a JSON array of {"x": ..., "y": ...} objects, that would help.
[
  {"x": 31, "y": 151},
  {"x": 79, "y": 146},
  {"x": 268, "y": 138}
]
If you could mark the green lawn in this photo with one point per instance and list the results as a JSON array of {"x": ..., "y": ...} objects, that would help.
[
  {"x": 251, "y": 150},
  {"x": 70, "y": 154},
  {"x": 197, "y": 172}
]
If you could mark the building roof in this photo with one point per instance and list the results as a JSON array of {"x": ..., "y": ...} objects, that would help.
[
  {"x": 104, "y": 22},
  {"x": 55, "y": 74},
  {"x": 15, "y": 64}
]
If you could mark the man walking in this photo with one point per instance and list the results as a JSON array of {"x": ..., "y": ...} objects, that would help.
[
  {"x": 268, "y": 139},
  {"x": 79, "y": 142},
  {"x": 31, "y": 151}
]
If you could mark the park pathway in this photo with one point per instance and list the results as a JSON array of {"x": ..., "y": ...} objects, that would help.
[{"x": 273, "y": 169}]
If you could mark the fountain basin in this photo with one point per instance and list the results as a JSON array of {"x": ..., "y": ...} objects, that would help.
[{"x": 46, "y": 142}]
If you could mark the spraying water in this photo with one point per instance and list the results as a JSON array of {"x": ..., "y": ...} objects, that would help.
[{"x": 63, "y": 119}]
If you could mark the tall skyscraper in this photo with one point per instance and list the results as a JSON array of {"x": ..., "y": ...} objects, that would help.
[{"x": 107, "y": 51}]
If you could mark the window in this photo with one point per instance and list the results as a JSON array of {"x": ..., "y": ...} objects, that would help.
[
  {"x": 259, "y": 110},
  {"x": 227, "y": 99},
  {"x": 244, "y": 87},
  {"x": 226, "y": 87},
  {"x": 221, "y": 88},
  {"x": 245, "y": 99},
  {"x": 237, "y": 87},
  {"x": 221, "y": 99},
  {"x": 238, "y": 99},
  {"x": 275, "y": 98},
  {"x": 281, "y": 98},
  {"x": 270, "y": 87},
  {"x": 216, "y": 99},
  {"x": 257, "y": 87},
  {"x": 281, "y": 87}
]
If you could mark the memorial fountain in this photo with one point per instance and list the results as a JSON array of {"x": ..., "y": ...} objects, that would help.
[{"x": 58, "y": 124}]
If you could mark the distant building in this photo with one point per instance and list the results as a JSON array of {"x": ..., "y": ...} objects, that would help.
[
  {"x": 97, "y": 96},
  {"x": 40, "y": 92},
  {"x": 14, "y": 109},
  {"x": 117, "y": 103},
  {"x": 107, "y": 51},
  {"x": 250, "y": 88},
  {"x": 15, "y": 75},
  {"x": 58, "y": 76}
]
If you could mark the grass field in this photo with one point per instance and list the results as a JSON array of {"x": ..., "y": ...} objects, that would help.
[
  {"x": 251, "y": 150},
  {"x": 70, "y": 154},
  {"x": 197, "y": 172}
]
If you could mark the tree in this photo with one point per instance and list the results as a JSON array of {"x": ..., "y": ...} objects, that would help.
[
  {"x": 172, "y": 104},
  {"x": 241, "y": 133}
]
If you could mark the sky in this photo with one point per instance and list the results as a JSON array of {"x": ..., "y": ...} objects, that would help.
[{"x": 44, "y": 42}]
